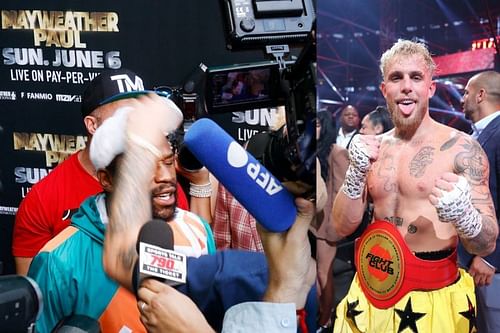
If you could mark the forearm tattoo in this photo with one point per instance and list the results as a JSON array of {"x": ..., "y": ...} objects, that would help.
[
  {"x": 484, "y": 239},
  {"x": 421, "y": 160}
]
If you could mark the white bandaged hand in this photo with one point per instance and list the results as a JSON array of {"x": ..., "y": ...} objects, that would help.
[
  {"x": 456, "y": 207},
  {"x": 355, "y": 177}
]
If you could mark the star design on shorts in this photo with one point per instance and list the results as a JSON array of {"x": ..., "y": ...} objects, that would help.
[
  {"x": 352, "y": 312},
  {"x": 470, "y": 314},
  {"x": 408, "y": 317}
]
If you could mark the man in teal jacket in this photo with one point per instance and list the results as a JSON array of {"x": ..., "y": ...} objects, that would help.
[{"x": 69, "y": 268}]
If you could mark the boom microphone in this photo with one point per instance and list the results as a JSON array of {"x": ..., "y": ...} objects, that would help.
[
  {"x": 246, "y": 179},
  {"x": 157, "y": 259}
]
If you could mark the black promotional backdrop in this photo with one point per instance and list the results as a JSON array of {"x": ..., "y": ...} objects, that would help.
[{"x": 163, "y": 41}]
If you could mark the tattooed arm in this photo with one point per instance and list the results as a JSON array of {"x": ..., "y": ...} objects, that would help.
[
  {"x": 472, "y": 163},
  {"x": 463, "y": 197},
  {"x": 130, "y": 204}
]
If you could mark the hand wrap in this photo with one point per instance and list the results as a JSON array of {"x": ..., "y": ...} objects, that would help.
[
  {"x": 355, "y": 177},
  {"x": 456, "y": 207}
]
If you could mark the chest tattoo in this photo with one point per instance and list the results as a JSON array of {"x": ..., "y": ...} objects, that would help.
[
  {"x": 396, "y": 220},
  {"x": 420, "y": 161},
  {"x": 386, "y": 172}
]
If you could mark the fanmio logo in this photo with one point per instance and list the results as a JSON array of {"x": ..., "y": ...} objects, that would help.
[{"x": 39, "y": 96}]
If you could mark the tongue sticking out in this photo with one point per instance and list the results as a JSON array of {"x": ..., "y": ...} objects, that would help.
[{"x": 406, "y": 108}]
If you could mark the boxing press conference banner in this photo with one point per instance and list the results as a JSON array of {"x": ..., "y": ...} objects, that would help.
[{"x": 50, "y": 51}]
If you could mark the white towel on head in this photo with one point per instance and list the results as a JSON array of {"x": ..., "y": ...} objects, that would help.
[{"x": 110, "y": 139}]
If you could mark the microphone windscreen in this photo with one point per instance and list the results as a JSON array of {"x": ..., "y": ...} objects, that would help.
[
  {"x": 245, "y": 178},
  {"x": 156, "y": 232}
]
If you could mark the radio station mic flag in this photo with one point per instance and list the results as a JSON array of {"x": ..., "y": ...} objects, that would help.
[{"x": 155, "y": 244}]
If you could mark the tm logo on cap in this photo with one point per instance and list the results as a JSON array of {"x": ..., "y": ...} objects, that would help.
[
  {"x": 237, "y": 157},
  {"x": 125, "y": 84}
]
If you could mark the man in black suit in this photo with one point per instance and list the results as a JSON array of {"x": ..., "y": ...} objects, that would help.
[{"x": 481, "y": 105}]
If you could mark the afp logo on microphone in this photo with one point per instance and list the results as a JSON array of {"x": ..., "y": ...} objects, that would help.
[{"x": 237, "y": 157}]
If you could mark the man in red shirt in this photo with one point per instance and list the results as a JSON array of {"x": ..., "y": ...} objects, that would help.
[{"x": 47, "y": 208}]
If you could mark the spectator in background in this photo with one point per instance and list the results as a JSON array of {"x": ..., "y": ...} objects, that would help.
[
  {"x": 481, "y": 104},
  {"x": 325, "y": 136},
  {"x": 376, "y": 122},
  {"x": 48, "y": 207},
  {"x": 349, "y": 125}
]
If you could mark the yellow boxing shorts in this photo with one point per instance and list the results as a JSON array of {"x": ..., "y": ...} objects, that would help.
[
  {"x": 394, "y": 291},
  {"x": 450, "y": 309}
]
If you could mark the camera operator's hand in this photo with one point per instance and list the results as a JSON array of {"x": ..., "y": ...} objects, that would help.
[
  {"x": 164, "y": 309},
  {"x": 292, "y": 271},
  {"x": 200, "y": 191}
]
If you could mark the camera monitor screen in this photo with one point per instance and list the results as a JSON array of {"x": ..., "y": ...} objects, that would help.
[{"x": 242, "y": 87}]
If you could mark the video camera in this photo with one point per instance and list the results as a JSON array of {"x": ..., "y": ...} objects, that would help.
[
  {"x": 289, "y": 153},
  {"x": 20, "y": 303}
]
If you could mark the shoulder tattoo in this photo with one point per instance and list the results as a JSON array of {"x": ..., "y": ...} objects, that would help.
[
  {"x": 450, "y": 143},
  {"x": 471, "y": 161}
]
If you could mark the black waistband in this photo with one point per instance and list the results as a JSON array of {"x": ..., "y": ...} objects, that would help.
[{"x": 434, "y": 255}]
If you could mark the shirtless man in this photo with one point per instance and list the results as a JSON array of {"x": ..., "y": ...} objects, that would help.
[{"x": 431, "y": 183}]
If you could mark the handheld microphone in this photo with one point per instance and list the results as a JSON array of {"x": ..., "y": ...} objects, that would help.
[
  {"x": 21, "y": 303},
  {"x": 157, "y": 259},
  {"x": 247, "y": 180}
]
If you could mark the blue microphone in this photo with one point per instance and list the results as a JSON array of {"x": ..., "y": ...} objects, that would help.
[{"x": 245, "y": 178}]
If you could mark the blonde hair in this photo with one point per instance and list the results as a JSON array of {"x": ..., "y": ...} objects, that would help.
[{"x": 407, "y": 48}]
